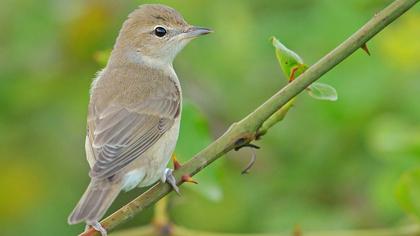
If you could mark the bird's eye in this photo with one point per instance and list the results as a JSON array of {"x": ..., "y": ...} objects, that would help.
[{"x": 160, "y": 31}]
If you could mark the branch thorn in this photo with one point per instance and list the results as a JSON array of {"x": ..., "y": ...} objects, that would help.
[
  {"x": 188, "y": 179},
  {"x": 176, "y": 163},
  {"x": 365, "y": 48}
]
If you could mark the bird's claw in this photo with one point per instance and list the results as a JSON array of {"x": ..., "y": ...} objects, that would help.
[
  {"x": 170, "y": 179},
  {"x": 98, "y": 227}
]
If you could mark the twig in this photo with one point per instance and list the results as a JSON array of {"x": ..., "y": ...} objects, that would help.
[
  {"x": 161, "y": 219},
  {"x": 412, "y": 230},
  {"x": 247, "y": 129}
]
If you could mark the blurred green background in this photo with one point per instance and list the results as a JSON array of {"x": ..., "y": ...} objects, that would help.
[{"x": 327, "y": 166}]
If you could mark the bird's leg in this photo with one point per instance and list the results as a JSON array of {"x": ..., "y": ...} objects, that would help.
[
  {"x": 169, "y": 178},
  {"x": 98, "y": 227}
]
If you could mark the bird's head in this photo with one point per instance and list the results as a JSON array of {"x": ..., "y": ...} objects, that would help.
[{"x": 155, "y": 33}]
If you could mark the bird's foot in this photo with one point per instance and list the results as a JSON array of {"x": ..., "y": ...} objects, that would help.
[
  {"x": 98, "y": 227},
  {"x": 169, "y": 178},
  {"x": 185, "y": 178}
]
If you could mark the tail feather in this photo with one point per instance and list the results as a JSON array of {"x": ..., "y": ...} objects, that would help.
[{"x": 96, "y": 200}]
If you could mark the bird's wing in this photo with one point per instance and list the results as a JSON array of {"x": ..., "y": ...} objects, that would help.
[{"x": 121, "y": 133}]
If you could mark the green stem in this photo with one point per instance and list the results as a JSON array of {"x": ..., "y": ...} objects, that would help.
[
  {"x": 276, "y": 117},
  {"x": 246, "y": 130},
  {"x": 161, "y": 217},
  {"x": 328, "y": 62}
]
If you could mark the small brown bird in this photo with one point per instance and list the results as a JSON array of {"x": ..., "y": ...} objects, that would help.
[{"x": 134, "y": 110}]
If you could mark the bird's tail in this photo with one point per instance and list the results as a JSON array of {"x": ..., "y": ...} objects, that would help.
[{"x": 95, "y": 201}]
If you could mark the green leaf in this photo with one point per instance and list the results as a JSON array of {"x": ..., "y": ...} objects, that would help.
[
  {"x": 408, "y": 191},
  {"x": 292, "y": 66},
  {"x": 287, "y": 58},
  {"x": 194, "y": 136},
  {"x": 322, "y": 92}
]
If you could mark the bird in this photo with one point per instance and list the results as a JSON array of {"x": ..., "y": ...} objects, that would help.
[{"x": 134, "y": 110}]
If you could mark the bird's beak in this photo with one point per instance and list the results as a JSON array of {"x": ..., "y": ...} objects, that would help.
[{"x": 195, "y": 31}]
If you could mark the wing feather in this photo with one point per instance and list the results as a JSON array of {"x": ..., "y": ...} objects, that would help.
[{"x": 122, "y": 132}]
